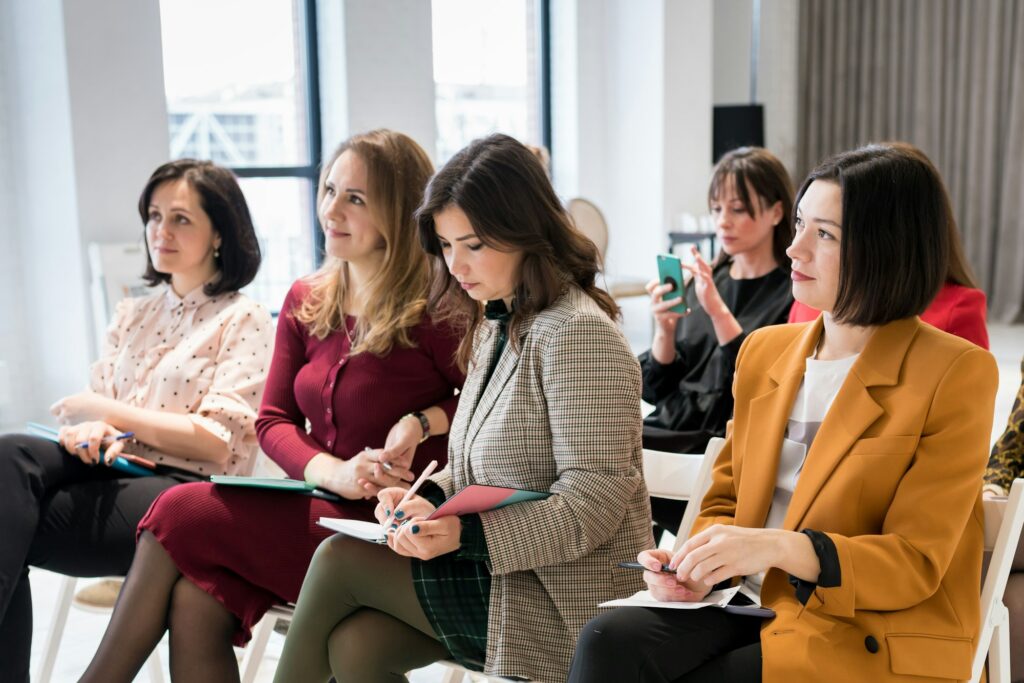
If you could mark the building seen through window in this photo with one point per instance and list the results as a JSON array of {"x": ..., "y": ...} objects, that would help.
[{"x": 242, "y": 101}]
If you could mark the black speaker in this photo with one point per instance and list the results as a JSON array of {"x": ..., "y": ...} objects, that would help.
[{"x": 736, "y": 125}]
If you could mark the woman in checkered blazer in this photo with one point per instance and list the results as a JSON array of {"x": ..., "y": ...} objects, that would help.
[{"x": 551, "y": 403}]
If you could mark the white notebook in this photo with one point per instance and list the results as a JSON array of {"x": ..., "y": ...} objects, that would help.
[{"x": 367, "y": 531}]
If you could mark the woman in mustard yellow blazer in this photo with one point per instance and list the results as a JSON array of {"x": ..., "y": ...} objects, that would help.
[{"x": 848, "y": 496}]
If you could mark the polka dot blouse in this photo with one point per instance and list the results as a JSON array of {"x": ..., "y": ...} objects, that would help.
[{"x": 197, "y": 355}]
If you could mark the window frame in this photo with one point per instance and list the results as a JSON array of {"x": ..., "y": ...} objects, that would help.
[{"x": 310, "y": 170}]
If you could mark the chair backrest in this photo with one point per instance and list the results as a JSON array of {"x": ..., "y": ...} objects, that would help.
[
  {"x": 1004, "y": 518},
  {"x": 700, "y": 486},
  {"x": 590, "y": 221}
]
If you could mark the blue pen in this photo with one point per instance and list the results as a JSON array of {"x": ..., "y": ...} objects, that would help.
[{"x": 109, "y": 439}]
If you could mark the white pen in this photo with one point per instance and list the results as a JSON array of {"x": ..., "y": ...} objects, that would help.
[
  {"x": 427, "y": 471},
  {"x": 386, "y": 465}
]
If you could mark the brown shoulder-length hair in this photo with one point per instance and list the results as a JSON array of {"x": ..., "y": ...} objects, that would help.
[
  {"x": 224, "y": 204},
  {"x": 958, "y": 271},
  {"x": 505, "y": 193},
  {"x": 757, "y": 169},
  {"x": 395, "y": 298},
  {"x": 895, "y": 241}
]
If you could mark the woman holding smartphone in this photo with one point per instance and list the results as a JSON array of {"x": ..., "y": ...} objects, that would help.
[
  {"x": 688, "y": 371},
  {"x": 182, "y": 368},
  {"x": 551, "y": 404},
  {"x": 357, "y": 356},
  {"x": 848, "y": 495}
]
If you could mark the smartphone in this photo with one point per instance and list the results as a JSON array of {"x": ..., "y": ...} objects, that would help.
[
  {"x": 670, "y": 272},
  {"x": 665, "y": 569}
]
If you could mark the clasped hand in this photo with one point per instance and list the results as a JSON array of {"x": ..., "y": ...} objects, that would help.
[
  {"x": 410, "y": 533},
  {"x": 718, "y": 553},
  {"x": 397, "y": 454},
  {"x": 93, "y": 433}
]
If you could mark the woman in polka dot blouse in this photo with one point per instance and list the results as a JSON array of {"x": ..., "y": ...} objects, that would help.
[{"x": 182, "y": 368}]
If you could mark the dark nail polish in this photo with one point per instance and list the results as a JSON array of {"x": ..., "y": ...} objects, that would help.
[
  {"x": 394, "y": 526},
  {"x": 415, "y": 528},
  {"x": 387, "y": 512},
  {"x": 400, "y": 514}
]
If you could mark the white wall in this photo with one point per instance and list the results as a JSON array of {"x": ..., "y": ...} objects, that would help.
[
  {"x": 86, "y": 124},
  {"x": 632, "y": 116}
]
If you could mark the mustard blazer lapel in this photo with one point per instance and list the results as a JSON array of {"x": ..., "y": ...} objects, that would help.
[
  {"x": 852, "y": 413},
  {"x": 769, "y": 415}
]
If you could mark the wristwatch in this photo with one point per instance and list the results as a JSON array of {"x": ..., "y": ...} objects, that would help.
[{"x": 424, "y": 423}]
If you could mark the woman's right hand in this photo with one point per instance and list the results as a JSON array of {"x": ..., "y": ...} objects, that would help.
[
  {"x": 663, "y": 345},
  {"x": 666, "y": 587},
  {"x": 665, "y": 320},
  {"x": 389, "y": 499},
  {"x": 93, "y": 433},
  {"x": 355, "y": 478}
]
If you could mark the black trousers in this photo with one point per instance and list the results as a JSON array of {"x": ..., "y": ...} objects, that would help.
[
  {"x": 60, "y": 514},
  {"x": 645, "y": 645}
]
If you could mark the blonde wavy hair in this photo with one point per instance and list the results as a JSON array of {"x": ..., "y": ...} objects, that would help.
[{"x": 395, "y": 298}]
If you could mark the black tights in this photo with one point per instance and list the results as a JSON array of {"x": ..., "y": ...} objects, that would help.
[{"x": 155, "y": 598}]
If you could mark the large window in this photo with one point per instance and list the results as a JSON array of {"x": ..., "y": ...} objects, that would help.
[
  {"x": 488, "y": 71},
  {"x": 241, "y": 91}
]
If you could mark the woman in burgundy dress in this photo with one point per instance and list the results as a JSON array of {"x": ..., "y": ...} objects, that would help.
[{"x": 358, "y": 357}]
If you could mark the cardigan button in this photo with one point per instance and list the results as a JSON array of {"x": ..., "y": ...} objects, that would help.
[{"x": 871, "y": 645}]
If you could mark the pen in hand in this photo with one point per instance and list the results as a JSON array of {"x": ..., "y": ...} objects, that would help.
[
  {"x": 107, "y": 440},
  {"x": 427, "y": 471}
]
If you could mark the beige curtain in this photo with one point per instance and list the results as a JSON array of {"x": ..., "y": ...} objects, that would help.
[{"x": 947, "y": 76}]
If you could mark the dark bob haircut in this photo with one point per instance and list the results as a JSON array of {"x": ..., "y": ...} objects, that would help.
[
  {"x": 758, "y": 169},
  {"x": 505, "y": 193},
  {"x": 222, "y": 200},
  {"x": 894, "y": 248}
]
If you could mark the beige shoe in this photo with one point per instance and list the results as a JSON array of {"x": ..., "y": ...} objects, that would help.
[{"x": 99, "y": 596}]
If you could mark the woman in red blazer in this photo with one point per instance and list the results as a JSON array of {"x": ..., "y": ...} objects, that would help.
[{"x": 960, "y": 306}]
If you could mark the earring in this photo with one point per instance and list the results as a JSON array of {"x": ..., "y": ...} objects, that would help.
[{"x": 216, "y": 253}]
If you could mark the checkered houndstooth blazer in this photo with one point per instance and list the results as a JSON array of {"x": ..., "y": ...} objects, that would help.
[{"x": 561, "y": 415}]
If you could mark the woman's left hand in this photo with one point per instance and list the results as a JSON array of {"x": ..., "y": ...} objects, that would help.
[
  {"x": 84, "y": 406},
  {"x": 704, "y": 285},
  {"x": 400, "y": 445},
  {"x": 426, "y": 540},
  {"x": 723, "y": 551}
]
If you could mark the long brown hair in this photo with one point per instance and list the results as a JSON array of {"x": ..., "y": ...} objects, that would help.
[
  {"x": 507, "y": 197},
  {"x": 758, "y": 169},
  {"x": 395, "y": 298}
]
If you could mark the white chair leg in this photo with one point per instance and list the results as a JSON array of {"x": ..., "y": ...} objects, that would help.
[
  {"x": 155, "y": 668},
  {"x": 999, "y": 650},
  {"x": 452, "y": 675},
  {"x": 60, "y": 618},
  {"x": 256, "y": 647}
]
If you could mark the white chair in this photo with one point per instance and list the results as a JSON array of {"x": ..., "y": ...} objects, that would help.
[
  {"x": 681, "y": 476},
  {"x": 57, "y": 623},
  {"x": 590, "y": 221},
  {"x": 1003, "y": 521}
]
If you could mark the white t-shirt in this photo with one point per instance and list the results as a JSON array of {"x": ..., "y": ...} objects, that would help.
[{"x": 821, "y": 383}]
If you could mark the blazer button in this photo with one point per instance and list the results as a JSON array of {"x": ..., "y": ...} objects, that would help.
[{"x": 871, "y": 645}]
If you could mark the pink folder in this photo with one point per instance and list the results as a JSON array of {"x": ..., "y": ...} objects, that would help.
[{"x": 480, "y": 498}]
